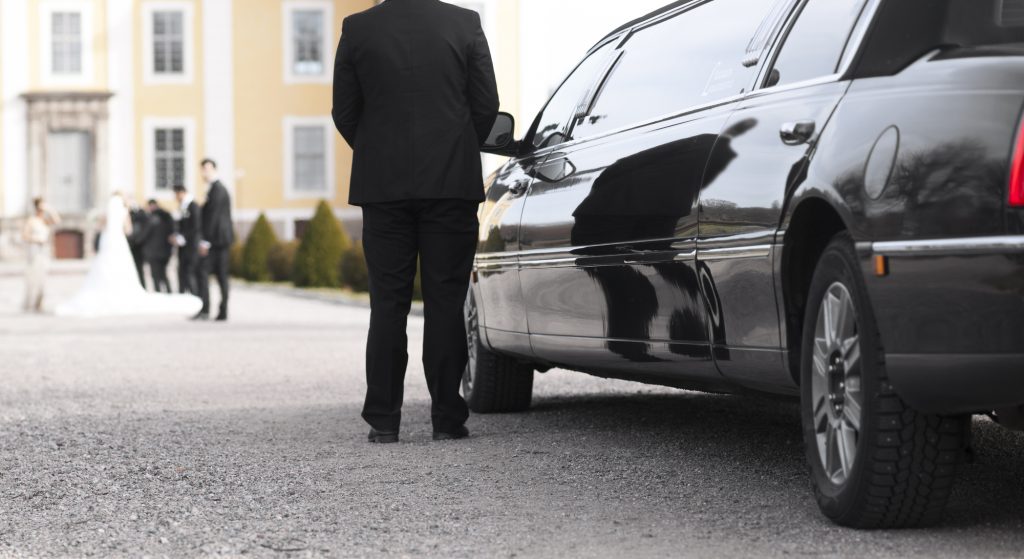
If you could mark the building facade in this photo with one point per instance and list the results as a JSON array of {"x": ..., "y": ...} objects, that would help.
[{"x": 98, "y": 96}]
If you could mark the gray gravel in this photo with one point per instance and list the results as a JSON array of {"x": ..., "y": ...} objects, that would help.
[{"x": 157, "y": 437}]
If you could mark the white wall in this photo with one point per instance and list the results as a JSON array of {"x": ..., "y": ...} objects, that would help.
[{"x": 554, "y": 36}]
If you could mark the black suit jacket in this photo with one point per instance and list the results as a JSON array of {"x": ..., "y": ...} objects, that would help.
[
  {"x": 190, "y": 227},
  {"x": 156, "y": 243},
  {"x": 218, "y": 229},
  {"x": 415, "y": 96}
]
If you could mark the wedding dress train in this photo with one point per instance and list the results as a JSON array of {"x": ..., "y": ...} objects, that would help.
[{"x": 112, "y": 286}]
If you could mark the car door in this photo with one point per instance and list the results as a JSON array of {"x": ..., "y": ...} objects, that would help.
[
  {"x": 767, "y": 143},
  {"x": 502, "y": 307},
  {"x": 608, "y": 233}
]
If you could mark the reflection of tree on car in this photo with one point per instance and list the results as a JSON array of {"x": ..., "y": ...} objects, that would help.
[{"x": 643, "y": 197}]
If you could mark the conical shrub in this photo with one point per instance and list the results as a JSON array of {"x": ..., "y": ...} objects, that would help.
[
  {"x": 353, "y": 269},
  {"x": 318, "y": 260},
  {"x": 258, "y": 245}
]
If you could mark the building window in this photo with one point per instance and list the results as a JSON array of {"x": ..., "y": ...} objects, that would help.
[
  {"x": 308, "y": 40},
  {"x": 309, "y": 159},
  {"x": 66, "y": 49},
  {"x": 170, "y": 159},
  {"x": 167, "y": 42},
  {"x": 66, "y": 41}
]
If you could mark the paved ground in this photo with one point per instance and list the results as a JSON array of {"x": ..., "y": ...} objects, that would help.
[{"x": 155, "y": 437}]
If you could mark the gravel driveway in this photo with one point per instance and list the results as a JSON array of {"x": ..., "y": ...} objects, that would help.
[{"x": 158, "y": 437}]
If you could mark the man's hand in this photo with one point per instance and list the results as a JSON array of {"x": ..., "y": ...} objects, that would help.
[{"x": 204, "y": 248}]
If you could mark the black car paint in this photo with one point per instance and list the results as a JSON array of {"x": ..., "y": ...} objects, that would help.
[{"x": 687, "y": 285}]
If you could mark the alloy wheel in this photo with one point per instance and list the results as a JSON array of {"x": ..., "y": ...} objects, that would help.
[{"x": 836, "y": 384}]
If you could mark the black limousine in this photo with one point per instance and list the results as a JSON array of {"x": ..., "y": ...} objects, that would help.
[{"x": 815, "y": 198}]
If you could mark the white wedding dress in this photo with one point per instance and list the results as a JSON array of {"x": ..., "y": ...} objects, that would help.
[{"x": 112, "y": 286}]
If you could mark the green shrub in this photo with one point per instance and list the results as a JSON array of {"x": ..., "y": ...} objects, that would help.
[
  {"x": 281, "y": 260},
  {"x": 318, "y": 259},
  {"x": 353, "y": 269},
  {"x": 235, "y": 265},
  {"x": 257, "y": 247}
]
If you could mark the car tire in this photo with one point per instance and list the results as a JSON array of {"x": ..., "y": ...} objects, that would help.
[
  {"x": 492, "y": 383},
  {"x": 875, "y": 461}
]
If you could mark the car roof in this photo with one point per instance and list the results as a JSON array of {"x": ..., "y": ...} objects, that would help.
[{"x": 652, "y": 15}]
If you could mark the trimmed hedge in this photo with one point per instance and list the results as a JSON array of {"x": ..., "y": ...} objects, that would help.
[
  {"x": 281, "y": 260},
  {"x": 235, "y": 264},
  {"x": 353, "y": 269},
  {"x": 318, "y": 259},
  {"x": 258, "y": 245}
]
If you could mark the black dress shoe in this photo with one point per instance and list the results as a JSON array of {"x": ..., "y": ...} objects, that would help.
[
  {"x": 222, "y": 317},
  {"x": 460, "y": 433},
  {"x": 201, "y": 316},
  {"x": 382, "y": 437}
]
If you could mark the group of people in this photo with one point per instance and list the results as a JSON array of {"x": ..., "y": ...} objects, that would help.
[{"x": 132, "y": 238}]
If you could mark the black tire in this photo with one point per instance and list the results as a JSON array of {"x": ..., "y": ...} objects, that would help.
[
  {"x": 493, "y": 383},
  {"x": 905, "y": 462}
]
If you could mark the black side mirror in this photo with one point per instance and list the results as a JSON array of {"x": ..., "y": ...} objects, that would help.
[{"x": 501, "y": 140}]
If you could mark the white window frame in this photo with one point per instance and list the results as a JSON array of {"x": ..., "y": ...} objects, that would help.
[
  {"x": 288, "y": 9},
  {"x": 149, "y": 128},
  {"x": 149, "y": 73},
  {"x": 330, "y": 158},
  {"x": 85, "y": 10}
]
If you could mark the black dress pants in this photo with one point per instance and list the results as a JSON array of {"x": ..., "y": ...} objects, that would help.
[
  {"x": 443, "y": 234},
  {"x": 188, "y": 268},
  {"x": 158, "y": 272},
  {"x": 216, "y": 262}
]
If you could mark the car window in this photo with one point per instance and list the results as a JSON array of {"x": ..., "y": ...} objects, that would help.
[
  {"x": 550, "y": 128},
  {"x": 691, "y": 59},
  {"x": 815, "y": 43}
]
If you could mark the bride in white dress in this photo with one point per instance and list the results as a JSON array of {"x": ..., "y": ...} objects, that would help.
[{"x": 112, "y": 287}]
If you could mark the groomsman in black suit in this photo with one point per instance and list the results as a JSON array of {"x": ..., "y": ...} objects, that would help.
[
  {"x": 186, "y": 239},
  {"x": 415, "y": 96},
  {"x": 217, "y": 235},
  {"x": 156, "y": 245}
]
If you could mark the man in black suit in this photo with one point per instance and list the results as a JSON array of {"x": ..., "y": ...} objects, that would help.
[
  {"x": 217, "y": 235},
  {"x": 156, "y": 245},
  {"x": 415, "y": 96},
  {"x": 186, "y": 239}
]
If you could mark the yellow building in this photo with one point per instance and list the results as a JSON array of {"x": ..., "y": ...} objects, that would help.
[{"x": 98, "y": 96}]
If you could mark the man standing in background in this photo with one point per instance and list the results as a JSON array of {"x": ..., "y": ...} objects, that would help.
[
  {"x": 187, "y": 240},
  {"x": 156, "y": 245},
  {"x": 218, "y": 233},
  {"x": 415, "y": 96}
]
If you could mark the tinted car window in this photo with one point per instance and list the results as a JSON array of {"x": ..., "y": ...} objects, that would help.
[
  {"x": 815, "y": 43},
  {"x": 551, "y": 124},
  {"x": 692, "y": 59}
]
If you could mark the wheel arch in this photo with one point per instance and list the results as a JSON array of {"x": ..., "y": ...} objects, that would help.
[{"x": 809, "y": 228}]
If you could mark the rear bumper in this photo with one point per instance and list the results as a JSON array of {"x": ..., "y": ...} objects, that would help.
[{"x": 951, "y": 316}]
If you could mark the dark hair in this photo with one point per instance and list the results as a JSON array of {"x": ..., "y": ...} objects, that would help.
[
  {"x": 151, "y": 202},
  {"x": 179, "y": 188},
  {"x": 37, "y": 203},
  {"x": 208, "y": 161}
]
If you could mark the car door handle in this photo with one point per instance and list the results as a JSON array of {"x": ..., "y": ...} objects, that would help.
[
  {"x": 519, "y": 188},
  {"x": 796, "y": 133}
]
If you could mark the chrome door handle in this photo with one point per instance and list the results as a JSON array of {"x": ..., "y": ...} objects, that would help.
[
  {"x": 519, "y": 187},
  {"x": 796, "y": 133}
]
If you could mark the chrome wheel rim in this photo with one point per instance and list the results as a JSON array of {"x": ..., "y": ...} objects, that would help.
[
  {"x": 472, "y": 341},
  {"x": 836, "y": 394}
]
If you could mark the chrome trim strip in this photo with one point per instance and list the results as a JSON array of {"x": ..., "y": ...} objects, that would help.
[
  {"x": 951, "y": 247},
  {"x": 734, "y": 253}
]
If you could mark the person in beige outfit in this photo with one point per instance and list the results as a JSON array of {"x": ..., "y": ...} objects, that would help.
[{"x": 36, "y": 234}]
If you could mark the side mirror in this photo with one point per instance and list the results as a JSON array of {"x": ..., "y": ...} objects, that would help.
[{"x": 501, "y": 140}]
